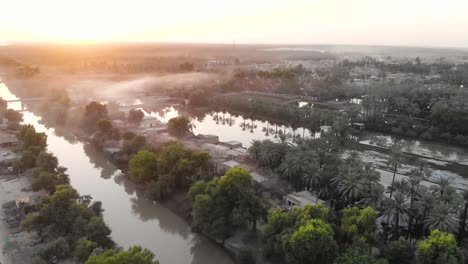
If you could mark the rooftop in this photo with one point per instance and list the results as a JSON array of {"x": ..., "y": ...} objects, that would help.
[
  {"x": 304, "y": 198},
  {"x": 231, "y": 163}
]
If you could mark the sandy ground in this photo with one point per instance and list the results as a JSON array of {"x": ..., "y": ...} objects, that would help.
[{"x": 11, "y": 188}]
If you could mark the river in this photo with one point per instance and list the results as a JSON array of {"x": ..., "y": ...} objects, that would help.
[{"x": 133, "y": 219}]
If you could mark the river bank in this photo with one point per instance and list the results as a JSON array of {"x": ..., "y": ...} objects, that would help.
[{"x": 132, "y": 218}]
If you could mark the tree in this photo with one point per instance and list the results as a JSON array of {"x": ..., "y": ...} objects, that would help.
[
  {"x": 104, "y": 126},
  {"x": 226, "y": 203},
  {"x": 127, "y": 136},
  {"x": 47, "y": 181},
  {"x": 443, "y": 218},
  {"x": 312, "y": 243},
  {"x": 84, "y": 248},
  {"x": 439, "y": 247},
  {"x": 395, "y": 162},
  {"x": 396, "y": 209},
  {"x": 94, "y": 111},
  {"x": 134, "y": 145},
  {"x": 47, "y": 161},
  {"x": 186, "y": 67},
  {"x": 179, "y": 126},
  {"x": 13, "y": 116},
  {"x": 463, "y": 216},
  {"x": 135, "y": 254},
  {"x": 254, "y": 149},
  {"x": 360, "y": 224},
  {"x": 143, "y": 167},
  {"x": 135, "y": 116},
  {"x": 399, "y": 252},
  {"x": 3, "y": 106},
  {"x": 31, "y": 138},
  {"x": 99, "y": 232},
  {"x": 353, "y": 256}
]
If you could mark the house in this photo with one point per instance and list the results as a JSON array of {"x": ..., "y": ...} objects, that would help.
[
  {"x": 216, "y": 150},
  {"x": 228, "y": 165},
  {"x": 8, "y": 139},
  {"x": 301, "y": 199},
  {"x": 232, "y": 144},
  {"x": 209, "y": 138},
  {"x": 325, "y": 129},
  {"x": 257, "y": 177},
  {"x": 149, "y": 121},
  {"x": 359, "y": 126}
]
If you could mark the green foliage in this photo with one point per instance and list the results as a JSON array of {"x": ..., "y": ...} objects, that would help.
[
  {"x": 99, "y": 232},
  {"x": 13, "y": 116},
  {"x": 59, "y": 248},
  {"x": 31, "y": 138},
  {"x": 353, "y": 256},
  {"x": 134, "y": 145},
  {"x": 104, "y": 126},
  {"x": 280, "y": 226},
  {"x": 94, "y": 112},
  {"x": 133, "y": 255},
  {"x": 47, "y": 162},
  {"x": 399, "y": 252},
  {"x": 135, "y": 116},
  {"x": 48, "y": 181},
  {"x": 196, "y": 189},
  {"x": 84, "y": 248},
  {"x": 311, "y": 243},
  {"x": 439, "y": 247},
  {"x": 360, "y": 224},
  {"x": 226, "y": 203},
  {"x": 179, "y": 126},
  {"x": 127, "y": 136},
  {"x": 143, "y": 167}
]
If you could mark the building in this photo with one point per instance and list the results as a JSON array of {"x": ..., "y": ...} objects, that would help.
[
  {"x": 150, "y": 121},
  {"x": 209, "y": 138},
  {"x": 301, "y": 199},
  {"x": 8, "y": 139},
  {"x": 232, "y": 144},
  {"x": 325, "y": 129},
  {"x": 225, "y": 166},
  {"x": 258, "y": 178},
  {"x": 359, "y": 126}
]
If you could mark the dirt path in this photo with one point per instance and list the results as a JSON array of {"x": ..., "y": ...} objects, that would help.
[{"x": 11, "y": 188}]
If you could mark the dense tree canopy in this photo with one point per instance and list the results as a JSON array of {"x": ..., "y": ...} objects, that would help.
[
  {"x": 179, "y": 126},
  {"x": 134, "y": 254}
]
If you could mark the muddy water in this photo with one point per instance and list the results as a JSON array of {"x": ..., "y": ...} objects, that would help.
[{"x": 133, "y": 219}]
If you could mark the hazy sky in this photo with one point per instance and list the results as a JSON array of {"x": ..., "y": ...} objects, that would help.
[{"x": 388, "y": 22}]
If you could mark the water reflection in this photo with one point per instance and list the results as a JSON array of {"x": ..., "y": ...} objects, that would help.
[{"x": 228, "y": 126}]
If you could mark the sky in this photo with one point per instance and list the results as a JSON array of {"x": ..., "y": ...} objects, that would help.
[{"x": 369, "y": 22}]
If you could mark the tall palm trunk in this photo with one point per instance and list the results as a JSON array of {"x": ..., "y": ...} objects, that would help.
[
  {"x": 461, "y": 232},
  {"x": 393, "y": 180}
]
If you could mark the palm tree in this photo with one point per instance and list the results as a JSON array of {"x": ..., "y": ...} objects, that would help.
[
  {"x": 254, "y": 149},
  {"x": 441, "y": 186},
  {"x": 271, "y": 153},
  {"x": 349, "y": 187},
  {"x": 402, "y": 186},
  {"x": 395, "y": 162},
  {"x": 374, "y": 196},
  {"x": 396, "y": 209},
  {"x": 463, "y": 216},
  {"x": 443, "y": 218}
]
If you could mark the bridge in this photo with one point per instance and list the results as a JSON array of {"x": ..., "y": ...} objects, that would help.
[{"x": 24, "y": 100}]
